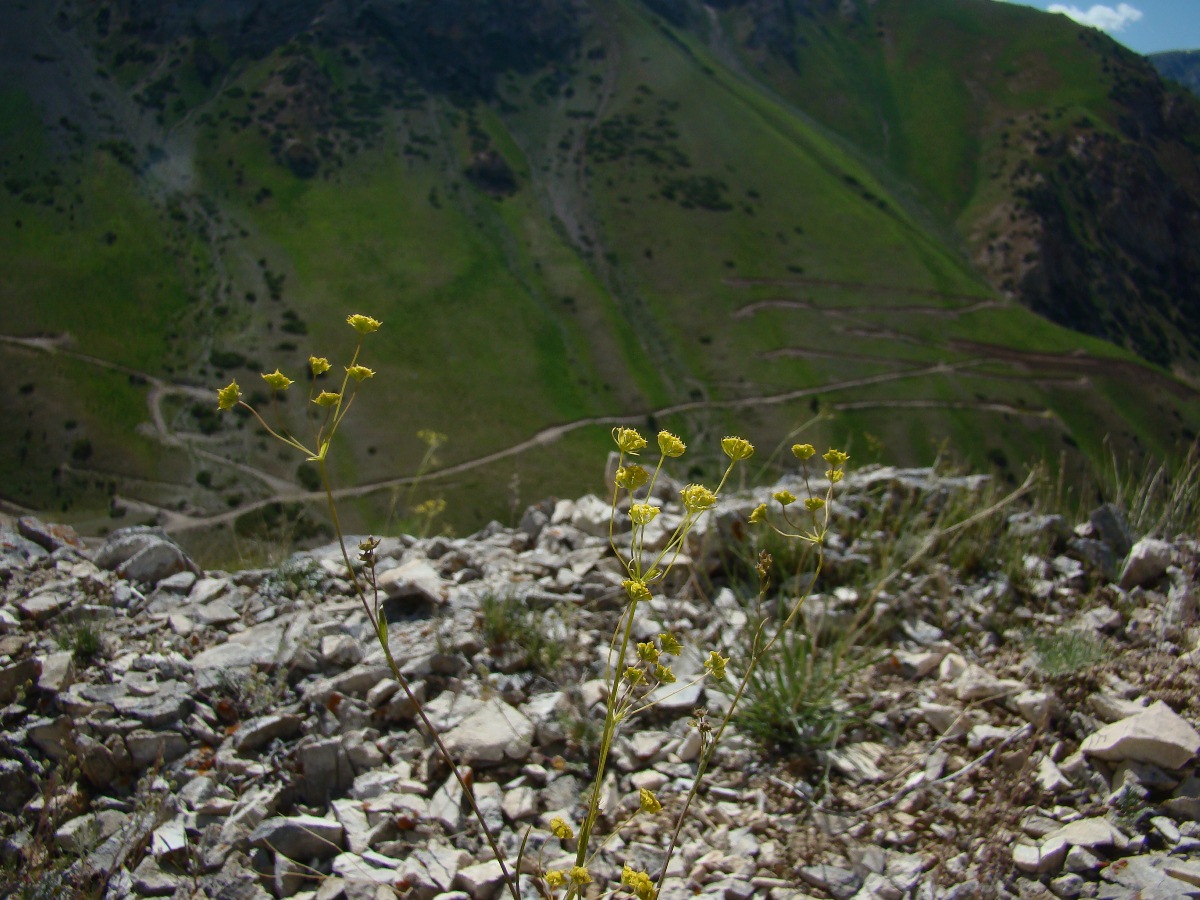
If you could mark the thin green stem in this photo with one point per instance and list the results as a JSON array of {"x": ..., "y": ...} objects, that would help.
[{"x": 381, "y": 635}]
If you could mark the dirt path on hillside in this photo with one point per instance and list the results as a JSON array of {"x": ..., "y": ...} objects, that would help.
[
  {"x": 862, "y": 287},
  {"x": 753, "y": 309},
  {"x": 283, "y": 491}
]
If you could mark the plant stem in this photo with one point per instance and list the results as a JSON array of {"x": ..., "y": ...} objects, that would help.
[{"x": 382, "y": 635}]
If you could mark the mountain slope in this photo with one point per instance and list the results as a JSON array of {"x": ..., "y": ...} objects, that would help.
[
  {"x": 1182, "y": 66},
  {"x": 721, "y": 219}
]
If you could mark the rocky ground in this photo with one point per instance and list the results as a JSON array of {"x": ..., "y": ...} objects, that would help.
[{"x": 1022, "y": 726}]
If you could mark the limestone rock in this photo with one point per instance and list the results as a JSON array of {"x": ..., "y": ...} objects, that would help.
[
  {"x": 300, "y": 837},
  {"x": 1147, "y": 562},
  {"x": 1158, "y": 736},
  {"x": 492, "y": 734}
]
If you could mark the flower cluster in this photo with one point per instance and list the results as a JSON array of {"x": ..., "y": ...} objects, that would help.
[
  {"x": 816, "y": 506},
  {"x": 334, "y": 403}
]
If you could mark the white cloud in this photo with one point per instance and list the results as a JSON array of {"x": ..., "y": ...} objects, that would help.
[{"x": 1103, "y": 17}]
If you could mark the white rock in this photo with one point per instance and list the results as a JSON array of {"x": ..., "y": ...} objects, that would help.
[
  {"x": 1147, "y": 561},
  {"x": 493, "y": 733},
  {"x": 1158, "y": 735},
  {"x": 1034, "y": 706},
  {"x": 1050, "y": 778},
  {"x": 1047, "y": 857},
  {"x": 481, "y": 879},
  {"x": 1091, "y": 833},
  {"x": 415, "y": 578},
  {"x": 976, "y": 683},
  {"x": 591, "y": 515}
]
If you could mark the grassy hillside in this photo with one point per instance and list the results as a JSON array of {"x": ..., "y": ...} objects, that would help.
[{"x": 653, "y": 229}]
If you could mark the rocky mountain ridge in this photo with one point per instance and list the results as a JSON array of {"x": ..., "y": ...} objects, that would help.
[{"x": 237, "y": 735}]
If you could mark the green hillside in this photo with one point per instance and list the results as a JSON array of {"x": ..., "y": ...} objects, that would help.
[{"x": 676, "y": 225}]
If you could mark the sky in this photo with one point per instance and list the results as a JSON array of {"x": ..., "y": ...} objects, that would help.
[{"x": 1145, "y": 26}]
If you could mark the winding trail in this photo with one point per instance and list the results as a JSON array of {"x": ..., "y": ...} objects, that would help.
[{"x": 282, "y": 490}]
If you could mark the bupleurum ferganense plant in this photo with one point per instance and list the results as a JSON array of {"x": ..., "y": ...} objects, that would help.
[
  {"x": 635, "y": 672},
  {"x": 333, "y": 408}
]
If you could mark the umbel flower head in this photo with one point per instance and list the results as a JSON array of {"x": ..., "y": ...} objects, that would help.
[
  {"x": 277, "y": 380},
  {"x": 783, "y": 498},
  {"x": 560, "y": 829},
  {"x": 737, "y": 448},
  {"x": 326, "y": 399},
  {"x": 319, "y": 365},
  {"x": 363, "y": 324},
  {"x": 580, "y": 875},
  {"x": 640, "y": 883},
  {"x": 628, "y": 440},
  {"x": 670, "y": 445},
  {"x": 631, "y": 477},
  {"x": 697, "y": 498},
  {"x": 228, "y": 396},
  {"x": 360, "y": 373},
  {"x": 636, "y": 590},
  {"x": 803, "y": 451},
  {"x": 642, "y": 513},
  {"x": 649, "y": 802}
]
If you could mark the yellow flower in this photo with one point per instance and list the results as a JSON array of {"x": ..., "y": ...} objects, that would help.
[
  {"x": 363, "y": 324},
  {"x": 633, "y": 675},
  {"x": 579, "y": 875},
  {"x": 642, "y": 513},
  {"x": 812, "y": 504},
  {"x": 432, "y": 439},
  {"x": 783, "y": 498},
  {"x": 737, "y": 448},
  {"x": 835, "y": 458},
  {"x": 560, "y": 829},
  {"x": 670, "y": 644},
  {"x": 319, "y": 365},
  {"x": 277, "y": 380},
  {"x": 715, "y": 664},
  {"x": 228, "y": 396},
  {"x": 640, "y": 882},
  {"x": 803, "y": 451},
  {"x": 326, "y": 399},
  {"x": 632, "y": 477},
  {"x": 432, "y": 507},
  {"x": 758, "y": 514},
  {"x": 649, "y": 802},
  {"x": 628, "y": 440},
  {"x": 636, "y": 590},
  {"x": 360, "y": 373},
  {"x": 834, "y": 475},
  {"x": 697, "y": 498},
  {"x": 556, "y": 878},
  {"x": 647, "y": 652},
  {"x": 664, "y": 673},
  {"x": 670, "y": 445}
]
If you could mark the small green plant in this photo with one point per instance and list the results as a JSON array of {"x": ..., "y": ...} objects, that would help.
[
  {"x": 509, "y": 625},
  {"x": 84, "y": 642},
  {"x": 1161, "y": 500},
  {"x": 1067, "y": 652},
  {"x": 296, "y": 575}
]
